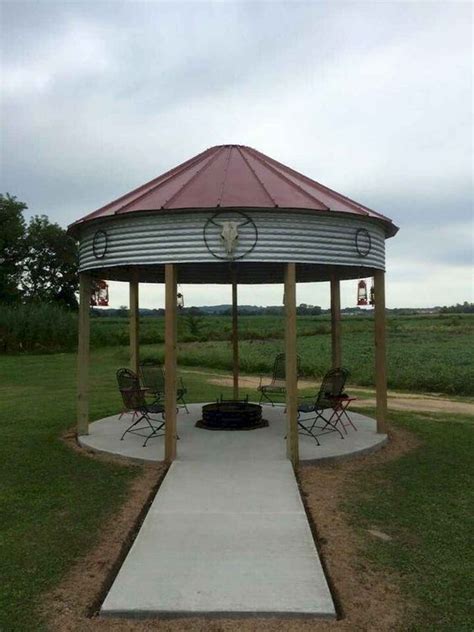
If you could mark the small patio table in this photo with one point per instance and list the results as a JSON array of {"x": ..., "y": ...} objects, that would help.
[{"x": 340, "y": 407}]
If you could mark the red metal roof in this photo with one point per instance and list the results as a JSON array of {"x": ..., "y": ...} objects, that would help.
[{"x": 233, "y": 176}]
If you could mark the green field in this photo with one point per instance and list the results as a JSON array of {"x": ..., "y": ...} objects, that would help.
[{"x": 431, "y": 353}]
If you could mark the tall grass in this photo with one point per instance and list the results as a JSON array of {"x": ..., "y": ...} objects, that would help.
[
  {"x": 37, "y": 327},
  {"x": 425, "y": 353}
]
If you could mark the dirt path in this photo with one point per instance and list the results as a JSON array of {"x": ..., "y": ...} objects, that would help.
[{"x": 396, "y": 400}]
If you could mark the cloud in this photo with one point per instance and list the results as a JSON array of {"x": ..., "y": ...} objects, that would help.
[{"x": 371, "y": 99}]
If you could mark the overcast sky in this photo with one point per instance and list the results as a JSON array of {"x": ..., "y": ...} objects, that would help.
[{"x": 373, "y": 99}]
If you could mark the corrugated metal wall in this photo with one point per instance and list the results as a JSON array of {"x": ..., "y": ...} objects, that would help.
[{"x": 307, "y": 238}]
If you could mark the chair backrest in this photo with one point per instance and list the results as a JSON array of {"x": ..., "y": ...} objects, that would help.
[
  {"x": 126, "y": 378},
  {"x": 279, "y": 368},
  {"x": 332, "y": 385},
  {"x": 152, "y": 376},
  {"x": 133, "y": 396}
]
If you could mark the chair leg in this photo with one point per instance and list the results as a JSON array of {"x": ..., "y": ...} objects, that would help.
[
  {"x": 129, "y": 429},
  {"x": 127, "y": 412},
  {"x": 269, "y": 399},
  {"x": 344, "y": 412},
  {"x": 155, "y": 432},
  {"x": 181, "y": 399},
  {"x": 327, "y": 422},
  {"x": 307, "y": 432}
]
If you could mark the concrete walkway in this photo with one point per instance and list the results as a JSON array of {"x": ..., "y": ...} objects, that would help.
[
  {"x": 227, "y": 533},
  {"x": 223, "y": 537}
]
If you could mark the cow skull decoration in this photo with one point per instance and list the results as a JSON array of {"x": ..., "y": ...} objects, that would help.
[
  {"x": 230, "y": 235},
  {"x": 228, "y": 232}
]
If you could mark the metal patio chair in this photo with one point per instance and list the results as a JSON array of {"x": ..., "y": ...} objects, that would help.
[
  {"x": 277, "y": 385},
  {"x": 324, "y": 406},
  {"x": 152, "y": 378},
  {"x": 126, "y": 379},
  {"x": 133, "y": 397}
]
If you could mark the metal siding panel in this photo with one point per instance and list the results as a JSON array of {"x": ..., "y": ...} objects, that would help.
[{"x": 283, "y": 236}]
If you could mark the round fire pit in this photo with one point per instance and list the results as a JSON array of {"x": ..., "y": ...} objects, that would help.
[{"x": 231, "y": 415}]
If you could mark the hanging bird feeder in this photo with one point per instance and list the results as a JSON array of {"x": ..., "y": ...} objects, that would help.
[
  {"x": 180, "y": 300},
  {"x": 362, "y": 293},
  {"x": 99, "y": 294}
]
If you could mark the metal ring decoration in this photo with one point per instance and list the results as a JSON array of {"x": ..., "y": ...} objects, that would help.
[
  {"x": 363, "y": 242},
  {"x": 100, "y": 244},
  {"x": 246, "y": 221}
]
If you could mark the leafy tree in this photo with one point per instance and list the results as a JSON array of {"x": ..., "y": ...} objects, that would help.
[
  {"x": 308, "y": 310},
  {"x": 194, "y": 321},
  {"x": 122, "y": 311},
  {"x": 50, "y": 269},
  {"x": 465, "y": 308},
  {"x": 12, "y": 246}
]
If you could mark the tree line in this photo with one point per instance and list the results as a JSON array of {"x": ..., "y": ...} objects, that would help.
[
  {"x": 38, "y": 259},
  {"x": 459, "y": 308}
]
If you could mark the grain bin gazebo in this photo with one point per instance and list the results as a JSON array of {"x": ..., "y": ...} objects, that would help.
[{"x": 232, "y": 215}]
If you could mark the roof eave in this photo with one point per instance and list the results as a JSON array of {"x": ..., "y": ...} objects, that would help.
[{"x": 74, "y": 229}]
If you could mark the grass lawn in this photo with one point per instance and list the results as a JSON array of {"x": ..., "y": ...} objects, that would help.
[
  {"x": 424, "y": 501},
  {"x": 54, "y": 500}
]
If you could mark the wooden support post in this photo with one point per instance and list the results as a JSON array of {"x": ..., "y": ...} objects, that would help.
[
  {"x": 292, "y": 448},
  {"x": 170, "y": 362},
  {"x": 336, "y": 322},
  {"x": 235, "y": 337},
  {"x": 134, "y": 323},
  {"x": 380, "y": 353},
  {"x": 83, "y": 355}
]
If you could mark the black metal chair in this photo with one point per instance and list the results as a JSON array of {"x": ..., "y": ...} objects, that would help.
[
  {"x": 323, "y": 422},
  {"x": 277, "y": 385},
  {"x": 126, "y": 379},
  {"x": 152, "y": 378},
  {"x": 133, "y": 397}
]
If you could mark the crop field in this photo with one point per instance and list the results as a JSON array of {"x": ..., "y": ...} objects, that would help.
[{"x": 430, "y": 353}]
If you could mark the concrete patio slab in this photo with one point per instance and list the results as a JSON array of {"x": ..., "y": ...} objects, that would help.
[
  {"x": 263, "y": 444},
  {"x": 223, "y": 538}
]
